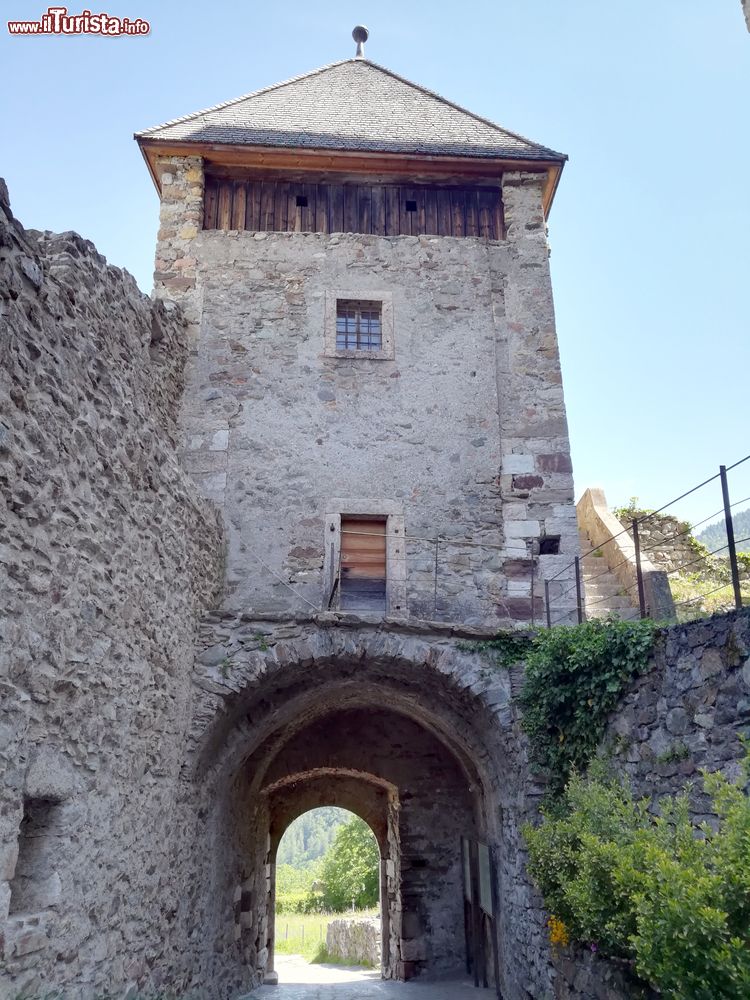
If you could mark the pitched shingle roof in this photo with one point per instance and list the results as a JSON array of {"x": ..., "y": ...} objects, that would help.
[{"x": 351, "y": 105}]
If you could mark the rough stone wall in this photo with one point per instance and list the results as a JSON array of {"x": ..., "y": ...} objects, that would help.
[
  {"x": 463, "y": 432},
  {"x": 690, "y": 710},
  {"x": 107, "y": 553},
  {"x": 354, "y": 941}
]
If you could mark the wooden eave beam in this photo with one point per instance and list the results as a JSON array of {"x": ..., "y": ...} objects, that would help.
[{"x": 354, "y": 162}]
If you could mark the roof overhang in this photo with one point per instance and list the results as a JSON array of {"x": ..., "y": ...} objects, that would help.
[{"x": 416, "y": 167}]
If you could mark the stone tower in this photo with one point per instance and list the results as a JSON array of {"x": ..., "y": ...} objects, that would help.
[
  {"x": 374, "y": 402},
  {"x": 374, "y": 395}
]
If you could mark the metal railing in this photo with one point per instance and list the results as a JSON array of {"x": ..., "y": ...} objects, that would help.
[{"x": 557, "y": 611}]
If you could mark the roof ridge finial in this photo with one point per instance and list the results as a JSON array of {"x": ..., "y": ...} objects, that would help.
[{"x": 360, "y": 36}]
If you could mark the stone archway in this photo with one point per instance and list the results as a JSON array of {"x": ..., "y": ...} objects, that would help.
[
  {"x": 366, "y": 795},
  {"x": 358, "y": 714}
]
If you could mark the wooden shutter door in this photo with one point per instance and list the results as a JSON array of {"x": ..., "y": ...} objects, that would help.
[{"x": 363, "y": 564}]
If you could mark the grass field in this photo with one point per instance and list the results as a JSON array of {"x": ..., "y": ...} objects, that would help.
[{"x": 305, "y": 933}]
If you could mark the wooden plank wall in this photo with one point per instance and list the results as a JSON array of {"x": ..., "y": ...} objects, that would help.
[{"x": 378, "y": 209}]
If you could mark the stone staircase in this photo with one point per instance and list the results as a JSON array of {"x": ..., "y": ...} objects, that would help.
[{"x": 601, "y": 588}]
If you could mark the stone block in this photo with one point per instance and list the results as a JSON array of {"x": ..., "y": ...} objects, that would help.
[
  {"x": 556, "y": 462},
  {"x": 521, "y": 529},
  {"x": 518, "y": 463},
  {"x": 522, "y": 483},
  {"x": 51, "y": 775}
]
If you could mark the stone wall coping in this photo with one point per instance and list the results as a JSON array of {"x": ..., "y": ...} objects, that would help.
[{"x": 606, "y": 533}]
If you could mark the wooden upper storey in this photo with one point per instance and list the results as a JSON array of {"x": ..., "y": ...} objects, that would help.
[{"x": 363, "y": 205}]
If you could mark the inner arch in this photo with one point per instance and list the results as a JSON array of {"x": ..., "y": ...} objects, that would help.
[{"x": 304, "y": 793}]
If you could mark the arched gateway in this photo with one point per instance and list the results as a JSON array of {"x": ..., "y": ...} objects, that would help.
[{"x": 395, "y": 723}]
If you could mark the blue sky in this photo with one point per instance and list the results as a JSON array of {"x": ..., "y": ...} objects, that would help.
[{"x": 649, "y": 231}]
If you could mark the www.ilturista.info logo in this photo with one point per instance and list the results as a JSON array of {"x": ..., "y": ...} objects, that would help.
[{"x": 57, "y": 21}]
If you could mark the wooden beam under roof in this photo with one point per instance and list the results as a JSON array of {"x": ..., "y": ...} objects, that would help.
[{"x": 418, "y": 168}]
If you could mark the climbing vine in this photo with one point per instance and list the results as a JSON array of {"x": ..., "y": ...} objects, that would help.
[
  {"x": 574, "y": 678},
  {"x": 506, "y": 648}
]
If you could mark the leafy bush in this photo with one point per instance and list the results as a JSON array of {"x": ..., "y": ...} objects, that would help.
[
  {"x": 293, "y": 902},
  {"x": 296, "y": 888},
  {"x": 575, "y": 676},
  {"x": 672, "y": 899}
]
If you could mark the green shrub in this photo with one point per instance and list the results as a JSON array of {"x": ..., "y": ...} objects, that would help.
[
  {"x": 672, "y": 899},
  {"x": 292, "y": 902},
  {"x": 633, "y": 511}
]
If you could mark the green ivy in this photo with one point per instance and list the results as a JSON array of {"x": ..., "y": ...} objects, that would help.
[
  {"x": 575, "y": 677},
  {"x": 506, "y": 648}
]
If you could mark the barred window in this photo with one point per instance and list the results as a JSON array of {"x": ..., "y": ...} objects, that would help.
[{"x": 358, "y": 325}]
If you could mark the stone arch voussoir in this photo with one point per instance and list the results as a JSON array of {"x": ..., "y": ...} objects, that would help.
[{"x": 252, "y": 677}]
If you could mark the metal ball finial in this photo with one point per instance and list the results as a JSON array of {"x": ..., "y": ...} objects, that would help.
[{"x": 360, "y": 36}]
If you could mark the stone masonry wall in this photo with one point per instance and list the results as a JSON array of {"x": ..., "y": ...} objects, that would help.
[
  {"x": 690, "y": 710},
  {"x": 107, "y": 554},
  {"x": 462, "y": 433},
  {"x": 666, "y": 543},
  {"x": 354, "y": 941}
]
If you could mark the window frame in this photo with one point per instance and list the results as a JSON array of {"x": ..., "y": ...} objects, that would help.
[{"x": 359, "y": 296}]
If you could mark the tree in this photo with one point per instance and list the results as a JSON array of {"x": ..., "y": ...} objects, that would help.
[
  {"x": 351, "y": 868},
  {"x": 310, "y": 835}
]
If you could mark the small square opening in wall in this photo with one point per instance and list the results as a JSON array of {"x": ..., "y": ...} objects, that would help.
[
  {"x": 549, "y": 545},
  {"x": 411, "y": 206},
  {"x": 301, "y": 201}
]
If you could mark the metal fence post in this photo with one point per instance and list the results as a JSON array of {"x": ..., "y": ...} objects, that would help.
[
  {"x": 578, "y": 590},
  {"x": 638, "y": 570},
  {"x": 546, "y": 602},
  {"x": 730, "y": 537},
  {"x": 434, "y": 595}
]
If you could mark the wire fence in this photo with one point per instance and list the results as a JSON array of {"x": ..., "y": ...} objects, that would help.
[{"x": 645, "y": 571}]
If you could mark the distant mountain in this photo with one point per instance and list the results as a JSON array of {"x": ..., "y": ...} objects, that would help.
[
  {"x": 715, "y": 535},
  {"x": 310, "y": 836}
]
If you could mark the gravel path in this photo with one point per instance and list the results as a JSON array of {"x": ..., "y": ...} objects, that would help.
[{"x": 299, "y": 980}]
